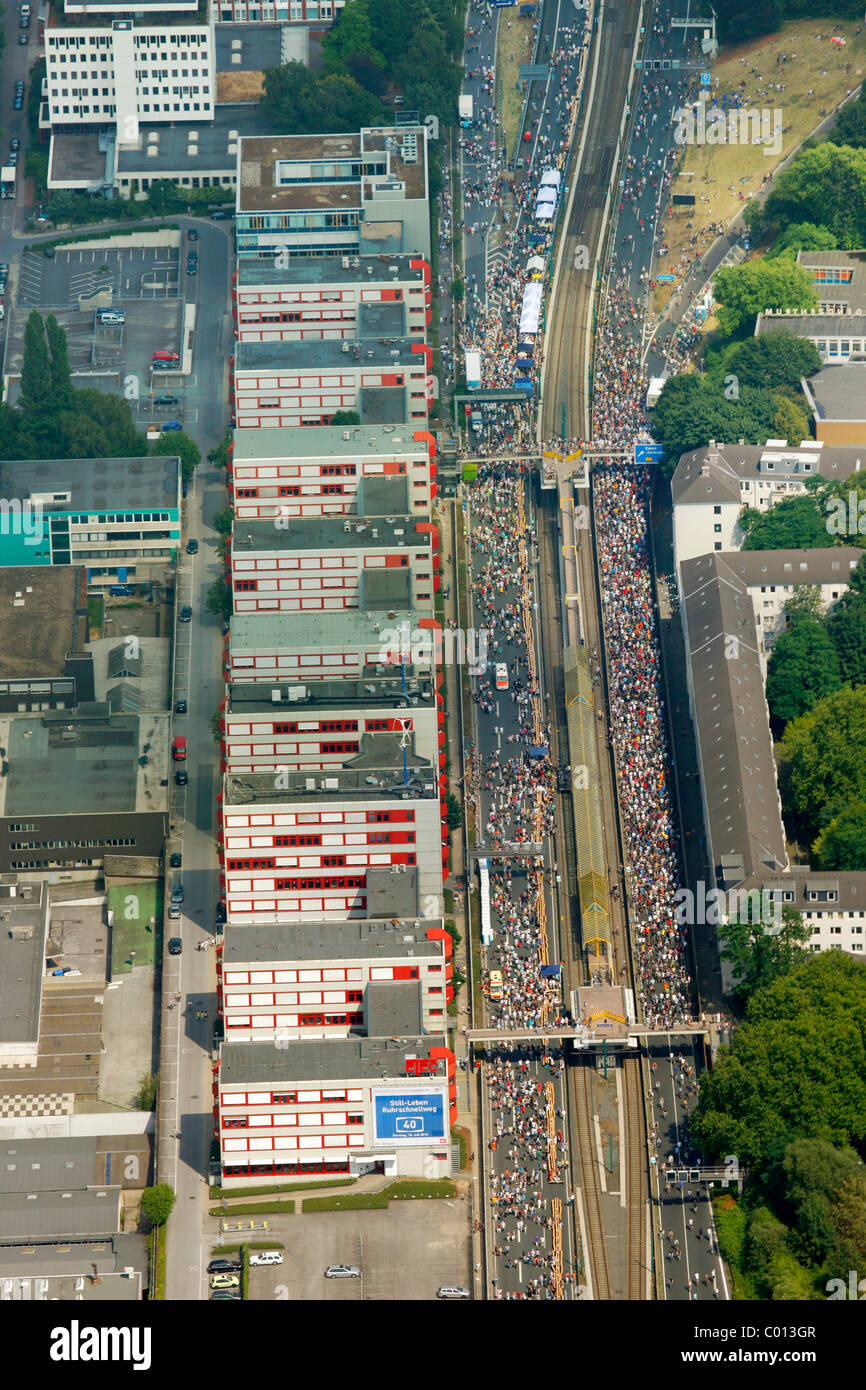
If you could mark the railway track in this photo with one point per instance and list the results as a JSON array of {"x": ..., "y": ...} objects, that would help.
[
  {"x": 595, "y": 1266},
  {"x": 634, "y": 1176}
]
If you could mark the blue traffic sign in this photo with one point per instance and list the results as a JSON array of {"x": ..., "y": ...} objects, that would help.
[
  {"x": 648, "y": 453},
  {"x": 705, "y": 79},
  {"x": 663, "y": 278}
]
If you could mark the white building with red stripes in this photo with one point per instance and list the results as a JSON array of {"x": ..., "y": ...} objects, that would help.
[
  {"x": 347, "y": 644},
  {"x": 313, "y": 564},
  {"x": 318, "y": 980},
  {"x": 343, "y": 1105},
  {"x": 367, "y": 839},
  {"x": 371, "y": 470},
  {"x": 317, "y": 725},
  {"x": 331, "y": 297},
  {"x": 385, "y": 380}
]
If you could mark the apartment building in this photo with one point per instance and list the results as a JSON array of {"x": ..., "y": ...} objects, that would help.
[
  {"x": 377, "y": 470},
  {"x": 319, "y": 980},
  {"x": 364, "y": 192},
  {"x": 386, "y": 380},
  {"x": 331, "y": 297},
  {"x": 319, "y": 14},
  {"x": 346, "y": 644},
  {"x": 311, "y": 564},
  {"x": 313, "y": 726}
]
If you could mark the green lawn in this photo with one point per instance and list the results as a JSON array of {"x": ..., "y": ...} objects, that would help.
[
  {"x": 371, "y": 1201},
  {"x": 255, "y": 1209},
  {"x": 95, "y": 608},
  {"x": 137, "y": 911},
  {"x": 219, "y": 1192}
]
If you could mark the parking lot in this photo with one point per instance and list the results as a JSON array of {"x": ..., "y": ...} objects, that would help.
[
  {"x": 405, "y": 1252},
  {"x": 149, "y": 284}
]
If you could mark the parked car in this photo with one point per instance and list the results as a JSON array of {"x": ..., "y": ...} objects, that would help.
[
  {"x": 191, "y": 267},
  {"x": 111, "y": 316},
  {"x": 193, "y": 234},
  {"x": 223, "y": 1266},
  {"x": 185, "y": 614},
  {"x": 18, "y": 104},
  {"x": 192, "y": 547},
  {"x": 175, "y": 946},
  {"x": 452, "y": 1291},
  {"x": 165, "y": 355},
  {"x": 220, "y": 215},
  {"x": 13, "y": 158},
  {"x": 171, "y": 425},
  {"x": 22, "y": 38},
  {"x": 120, "y": 590},
  {"x": 225, "y": 1296},
  {"x": 14, "y": 143},
  {"x": 174, "y": 911},
  {"x": 175, "y": 860},
  {"x": 225, "y": 1281},
  {"x": 180, "y": 707},
  {"x": 177, "y": 892},
  {"x": 181, "y": 777},
  {"x": 343, "y": 1272},
  {"x": 266, "y": 1257},
  {"x": 166, "y": 400}
]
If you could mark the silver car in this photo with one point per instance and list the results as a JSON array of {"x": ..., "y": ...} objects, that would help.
[{"x": 343, "y": 1272}]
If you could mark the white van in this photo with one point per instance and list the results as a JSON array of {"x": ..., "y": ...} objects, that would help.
[
  {"x": 452, "y": 1291},
  {"x": 111, "y": 316},
  {"x": 501, "y": 676},
  {"x": 266, "y": 1257}
]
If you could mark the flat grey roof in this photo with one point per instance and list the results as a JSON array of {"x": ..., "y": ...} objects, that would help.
[
  {"x": 822, "y": 565},
  {"x": 735, "y": 748},
  {"x": 344, "y": 940},
  {"x": 39, "y": 629},
  {"x": 832, "y": 259},
  {"x": 848, "y": 885},
  {"x": 383, "y": 405},
  {"x": 382, "y": 494},
  {"x": 332, "y": 270},
  {"x": 324, "y": 533},
  {"x": 260, "y": 45},
  {"x": 68, "y": 1259},
  {"x": 77, "y": 158},
  {"x": 392, "y": 895},
  {"x": 59, "y": 1213},
  {"x": 329, "y": 441},
  {"x": 258, "y": 189},
  {"x": 393, "y": 1008},
  {"x": 838, "y": 393},
  {"x": 382, "y": 590},
  {"x": 379, "y": 692},
  {"x": 381, "y": 238},
  {"x": 812, "y": 325},
  {"x": 329, "y": 1059},
  {"x": 39, "y": 1165},
  {"x": 305, "y": 354},
  {"x": 95, "y": 485},
  {"x": 713, "y": 474},
  {"x": 66, "y": 762},
  {"x": 212, "y": 142},
  {"x": 344, "y": 628},
  {"x": 22, "y": 961},
  {"x": 376, "y": 771},
  {"x": 386, "y": 320}
]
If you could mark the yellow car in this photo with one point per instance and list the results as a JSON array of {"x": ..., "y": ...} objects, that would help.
[{"x": 225, "y": 1281}]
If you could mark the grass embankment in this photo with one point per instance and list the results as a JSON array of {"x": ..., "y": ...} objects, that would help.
[
  {"x": 374, "y": 1201},
  {"x": 730, "y": 1222},
  {"x": 513, "y": 48},
  {"x": 815, "y": 80}
]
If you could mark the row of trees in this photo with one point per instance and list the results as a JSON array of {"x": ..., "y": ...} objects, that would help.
[
  {"x": 747, "y": 19},
  {"x": 822, "y": 778},
  {"x": 787, "y": 1099},
  {"x": 377, "y": 49},
  {"x": 825, "y": 185}
]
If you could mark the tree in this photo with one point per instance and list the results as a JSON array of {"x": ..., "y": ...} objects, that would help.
[
  {"x": 351, "y": 39},
  {"x": 790, "y": 420},
  {"x": 825, "y": 184},
  {"x": 796, "y": 1066},
  {"x": 454, "y": 815},
  {"x": 744, "y": 291},
  {"x": 802, "y": 236},
  {"x": 346, "y": 417},
  {"x": 458, "y": 289},
  {"x": 850, "y": 128},
  {"x": 36, "y": 367},
  {"x": 220, "y": 453},
  {"x": 745, "y": 19},
  {"x": 846, "y": 627},
  {"x": 223, "y": 521},
  {"x": 61, "y": 376},
  {"x": 145, "y": 1097},
  {"x": 823, "y": 775},
  {"x": 177, "y": 442},
  {"x": 775, "y": 360},
  {"x": 219, "y": 598},
  {"x": 842, "y": 844},
  {"x": 802, "y": 669},
  {"x": 757, "y": 957},
  {"x": 157, "y": 1203},
  {"x": 793, "y": 523}
]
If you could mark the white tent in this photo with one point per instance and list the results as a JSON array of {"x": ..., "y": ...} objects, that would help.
[
  {"x": 551, "y": 177},
  {"x": 535, "y": 263},
  {"x": 530, "y": 311}
]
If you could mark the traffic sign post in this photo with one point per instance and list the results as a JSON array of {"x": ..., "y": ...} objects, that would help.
[{"x": 648, "y": 453}]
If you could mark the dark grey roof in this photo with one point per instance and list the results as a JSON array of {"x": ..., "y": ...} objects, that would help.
[
  {"x": 65, "y": 1260},
  {"x": 22, "y": 961},
  {"x": 713, "y": 474},
  {"x": 331, "y": 441},
  {"x": 321, "y": 533},
  {"x": 39, "y": 1165},
  {"x": 731, "y": 718},
  {"x": 393, "y": 1008},
  {"x": 376, "y": 771},
  {"x": 820, "y": 565},
  {"x": 95, "y": 485},
  {"x": 260, "y": 45},
  {"x": 392, "y": 892},
  {"x": 326, "y": 941},
  {"x": 214, "y": 141},
  {"x": 381, "y": 494},
  {"x": 121, "y": 664},
  {"x": 73, "y": 764},
  {"x": 65, "y": 1212},
  {"x": 380, "y": 692},
  {"x": 385, "y": 320},
  {"x": 838, "y": 393},
  {"x": 813, "y": 325},
  {"x": 306, "y": 354},
  {"x": 337, "y": 270},
  {"x": 385, "y": 405},
  {"x": 328, "y": 1059}
]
